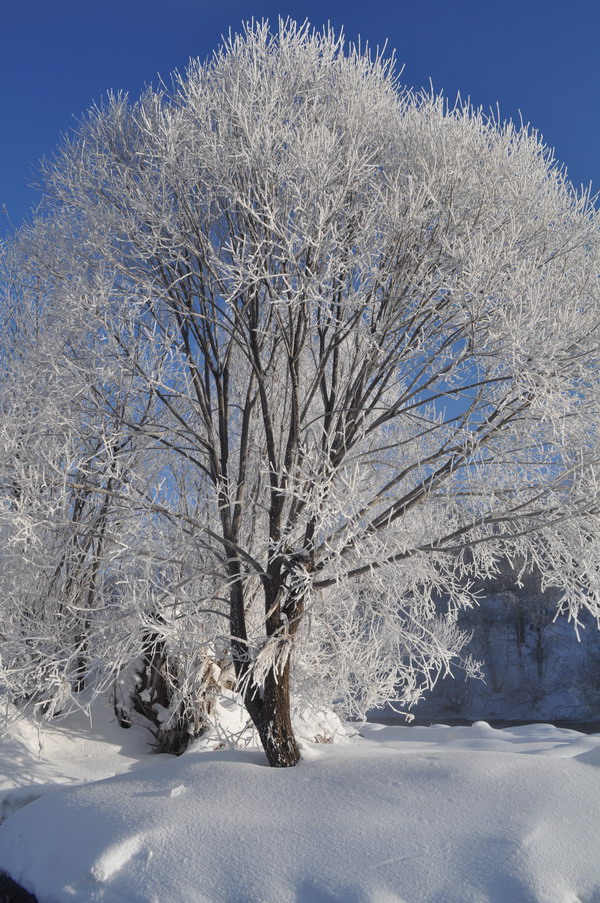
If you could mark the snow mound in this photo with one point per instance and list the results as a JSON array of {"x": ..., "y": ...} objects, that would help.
[
  {"x": 229, "y": 726},
  {"x": 399, "y": 815}
]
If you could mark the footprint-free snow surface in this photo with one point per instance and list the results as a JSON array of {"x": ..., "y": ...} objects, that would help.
[{"x": 400, "y": 815}]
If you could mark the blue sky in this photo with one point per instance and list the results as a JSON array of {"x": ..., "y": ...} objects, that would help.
[{"x": 539, "y": 58}]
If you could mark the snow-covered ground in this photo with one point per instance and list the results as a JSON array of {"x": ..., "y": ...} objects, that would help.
[{"x": 397, "y": 815}]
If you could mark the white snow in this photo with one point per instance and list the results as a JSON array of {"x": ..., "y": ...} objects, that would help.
[{"x": 398, "y": 815}]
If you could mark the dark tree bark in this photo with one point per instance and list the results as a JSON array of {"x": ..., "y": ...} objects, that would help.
[
  {"x": 269, "y": 705},
  {"x": 270, "y": 711}
]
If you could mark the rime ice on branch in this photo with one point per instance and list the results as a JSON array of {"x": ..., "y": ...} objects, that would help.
[{"x": 330, "y": 349}]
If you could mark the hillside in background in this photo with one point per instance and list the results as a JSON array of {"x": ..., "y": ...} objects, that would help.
[{"x": 534, "y": 665}]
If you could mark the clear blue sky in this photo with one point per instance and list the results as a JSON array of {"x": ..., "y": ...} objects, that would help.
[{"x": 539, "y": 57}]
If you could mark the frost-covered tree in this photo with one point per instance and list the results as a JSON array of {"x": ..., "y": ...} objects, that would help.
[
  {"x": 87, "y": 575},
  {"x": 363, "y": 330},
  {"x": 58, "y": 470}
]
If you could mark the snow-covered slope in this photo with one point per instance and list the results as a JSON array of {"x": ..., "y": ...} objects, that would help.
[
  {"x": 399, "y": 815},
  {"x": 534, "y": 665}
]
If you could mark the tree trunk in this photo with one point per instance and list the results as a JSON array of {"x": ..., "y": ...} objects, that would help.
[
  {"x": 271, "y": 715},
  {"x": 269, "y": 705},
  {"x": 540, "y": 655}
]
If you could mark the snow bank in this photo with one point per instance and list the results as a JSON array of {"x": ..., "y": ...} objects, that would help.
[
  {"x": 35, "y": 761},
  {"x": 400, "y": 815}
]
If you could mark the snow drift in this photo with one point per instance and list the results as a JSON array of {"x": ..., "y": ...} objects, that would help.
[{"x": 398, "y": 815}]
